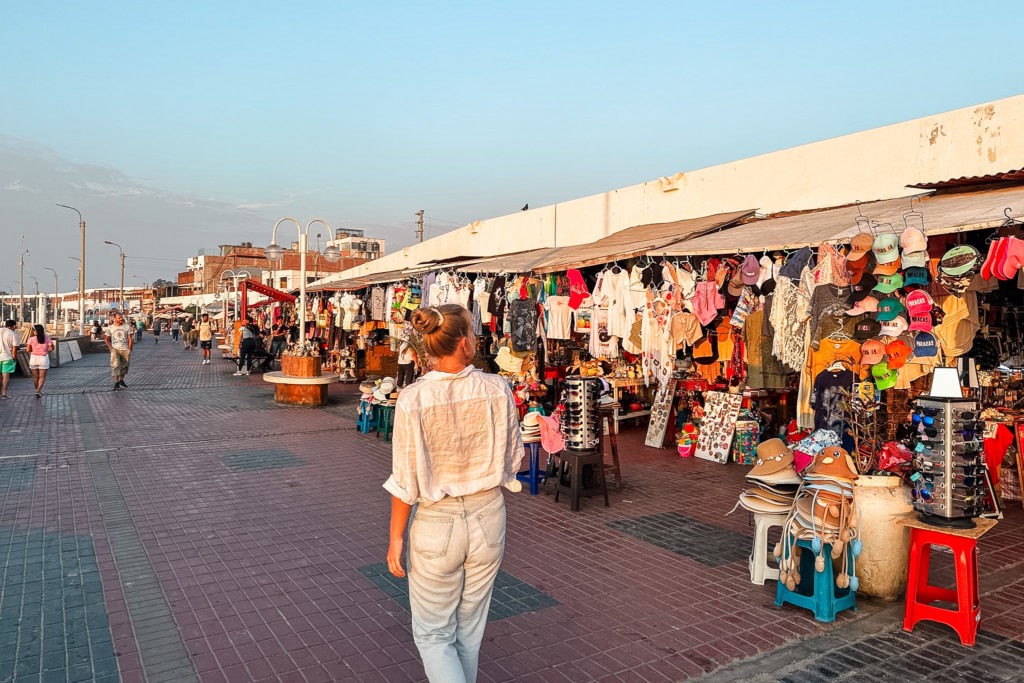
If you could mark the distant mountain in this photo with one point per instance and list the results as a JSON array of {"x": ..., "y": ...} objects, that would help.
[{"x": 165, "y": 227}]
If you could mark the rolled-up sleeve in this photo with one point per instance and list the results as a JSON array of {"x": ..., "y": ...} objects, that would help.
[
  {"x": 403, "y": 482},
  {"x": 514, "y": 456}
]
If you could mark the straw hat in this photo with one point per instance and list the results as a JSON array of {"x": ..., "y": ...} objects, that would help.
[
  {"x": 833, "y": 461},
  {"x": 772, "y": 456}
]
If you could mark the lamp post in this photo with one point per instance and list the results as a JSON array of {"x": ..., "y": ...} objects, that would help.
[
  {"x": 21, "y": 280},
  {"x": 56, "y": 315},
  {"x": 121, "y": 300},
  {"x": 235, "y": 276},
  {"x": 35, "y": 304},
  {"x": 81, "y": 273},
  {"x": 274, "y": 253}
]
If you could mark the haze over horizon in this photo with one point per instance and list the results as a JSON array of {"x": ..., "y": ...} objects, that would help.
[{"x": 176, "y": 128}]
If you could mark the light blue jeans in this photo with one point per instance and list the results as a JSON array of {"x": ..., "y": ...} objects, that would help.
[{"x": 455, "y": 549}]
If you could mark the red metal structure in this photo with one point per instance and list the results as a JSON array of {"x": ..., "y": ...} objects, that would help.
[{"x": 260, "y": 288}]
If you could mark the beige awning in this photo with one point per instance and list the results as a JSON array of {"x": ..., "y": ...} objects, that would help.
[
  {"x": 635, "y": 241},
  {"x": 519, "y": 262},
  {"x": 942, "y": 214}
]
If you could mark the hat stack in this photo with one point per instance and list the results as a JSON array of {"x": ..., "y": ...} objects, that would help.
[
  {"x": 824, "y": 513},
  {"x": 530, "y": 428},
  {"x": 775, "y": 481},
  {"x": 382, "y": 393},
  {"x": 807, "y": 448}
]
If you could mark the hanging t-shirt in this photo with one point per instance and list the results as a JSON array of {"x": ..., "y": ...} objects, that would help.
[
  {"x": 522, "y": 314},
  {"x": 377, "y": 303},
  {"x": 827, "y": 399},
  {"x": 559, "y": 317}
]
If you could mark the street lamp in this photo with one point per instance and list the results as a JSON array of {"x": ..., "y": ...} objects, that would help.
[
  {"x": 115, "y": 244},
  {"x": 21, "y": 280},
  {"x": 56, "y": 316},
  {"x": 235, "y": 276},
  {"x": 35, "y": 304},
  {"x": 274, "y": 253},
  {"x": 81, "y": 273}
]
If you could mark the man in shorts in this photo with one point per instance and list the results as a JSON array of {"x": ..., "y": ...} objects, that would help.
[
  {"x": 206, "y": 337},
  {"x": 8, "y": 349},
  {"x": 186, "y": 332},
  {"x": 119, "y": 338}
]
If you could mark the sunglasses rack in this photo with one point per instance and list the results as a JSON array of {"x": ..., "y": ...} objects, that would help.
[
  {"x": 581, "y": 425},
  {"x": 949, "y": 482}
]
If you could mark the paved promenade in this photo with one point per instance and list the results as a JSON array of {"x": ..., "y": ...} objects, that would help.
[{"x": 190, "y": 529}]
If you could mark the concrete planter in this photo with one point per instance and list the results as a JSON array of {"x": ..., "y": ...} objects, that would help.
[{"x": 300, "y": 366}]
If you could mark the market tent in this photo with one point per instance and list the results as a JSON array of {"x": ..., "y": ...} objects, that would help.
[
  {"x": 635, "y": 241},
  {"x": 517, "y": 262},
  {"x": 260, "y": 288},
  {"x": 358, "y": 282},
  {"x": 942, "y": 214}
]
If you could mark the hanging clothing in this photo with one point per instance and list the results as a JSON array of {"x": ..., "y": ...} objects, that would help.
[
  {"x": 614, "y": 291},
  {"x": 523, "y": 320},
  {"x": 559, "y": 317},
  {"x": 828, "y": 304},
  {"x": 377, "y": 297},
  {"x": 827, "y": 399}
]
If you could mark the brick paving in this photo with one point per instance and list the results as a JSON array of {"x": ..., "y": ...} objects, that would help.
[{"x": 232, "y": 539}]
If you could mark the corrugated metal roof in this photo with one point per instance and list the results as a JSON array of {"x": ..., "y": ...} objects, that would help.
[
  {"x": 519, "y": 262},
  {"x": 635, "y": 241},
  {"x": 1016, "y": 175},
  {"x": 942, "y": 214}
]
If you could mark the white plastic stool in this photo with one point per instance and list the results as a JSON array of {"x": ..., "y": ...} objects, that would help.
[{"x": 760, "y": 570}]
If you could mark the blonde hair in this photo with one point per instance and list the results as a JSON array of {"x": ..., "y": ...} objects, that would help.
[{"x": 442, "y": 328}]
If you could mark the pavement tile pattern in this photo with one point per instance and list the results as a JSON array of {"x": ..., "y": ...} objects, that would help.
[
  {"x": 257, "y": 572},
  {"x": 511, "y": 596}
]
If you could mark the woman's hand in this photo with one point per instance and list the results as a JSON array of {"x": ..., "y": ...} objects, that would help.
[{"x": 395, "y": 557}]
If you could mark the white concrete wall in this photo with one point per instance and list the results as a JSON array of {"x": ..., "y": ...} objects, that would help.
[{"x": 874, "y": 164}]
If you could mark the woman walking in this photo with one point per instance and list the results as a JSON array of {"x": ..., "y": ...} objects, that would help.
[
  {"x": 39, "y": 348},
  {"x": 456, "y": 441}
]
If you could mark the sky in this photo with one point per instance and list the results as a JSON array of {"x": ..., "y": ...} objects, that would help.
[{"x": 179, "y": 126}]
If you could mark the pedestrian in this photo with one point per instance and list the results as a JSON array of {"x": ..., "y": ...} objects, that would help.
[
  {"x": 206, "y": 337},
  {"x": 175, "y": 330},
  {"x": 139, "y": 325},
  {"x": 39, "y": 347},
  {"x": 186, "y": 331},
  {"x": 456, "y": 441},
  {"x": 408, "y": 363},
  {"x": 157, "y": 324},
  {"x": 8, "y": 355},
  {"x": 278, "y": 338},
  {"x": 119, "y": 339},
  {"x": 293, "y": 331},
  {"x": 97, "y": 330},
  {"x": 250, "y": 337}
]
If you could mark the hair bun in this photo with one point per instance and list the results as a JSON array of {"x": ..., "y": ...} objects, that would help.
[{"x": 425, "y": 320}]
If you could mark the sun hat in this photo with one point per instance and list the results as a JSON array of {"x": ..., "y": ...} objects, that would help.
[
  {"x": 754, "y": 501},
  {"x": 507, "y": 362},
  {"x": 898, "y": 353},
  {"x": 868, "y": 304},
  {"x": 913, "y": 239},
  {"x": 889, "y": 308},
  {"x": 784, "y": 477},
  {"x": 862, "y": 287},
  {"x": 894, "y": 327},
  {"x": 885, "y": 377},
  {"x": 867, "y": 328},
  {"x": 860, "y": 245},
  {"x": 834, "y": 462},
  {"x": 885, "y": 247},
  {"x": 960, "y": 260},
  {"x": 750, "y": 270},
  {"x": 888, "y": 268},
  {"x": 887, "y": 284},
  {"x": 916, "y": 276},
  {"x": 915, "y": 259},
  {"x": 773, "y": 456},
  {"x": 872, "y": 352},
  {"x": 925, "y": 345}
]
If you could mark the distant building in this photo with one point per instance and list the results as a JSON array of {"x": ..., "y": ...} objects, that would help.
[{"x": 357, "y": 244}]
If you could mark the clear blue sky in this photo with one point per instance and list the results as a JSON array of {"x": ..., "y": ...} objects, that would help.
[{"x": 364, "y": 112}]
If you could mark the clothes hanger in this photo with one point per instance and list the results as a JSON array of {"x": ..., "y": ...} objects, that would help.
[{"x": 913, "y": 214}]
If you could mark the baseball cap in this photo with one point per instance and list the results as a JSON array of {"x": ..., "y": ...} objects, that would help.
[
  {"x": 888, "y": 268},
  {"x": 921, "y": 321},
  {"x": 889, "y": 308},
  {"x": 916, "y": 276},
  {"x": 913, "y": 239},
  {"x": 894, "y": 327},
  {"x": 856, "y": 269},
  {"x": 794, "y": 265},
  {"x": 960, "y": 260},
  {"x": 885, "y": 247},
  {"x": 887, "y": 284},
  {"x": 868, "y": 328},
  {"x": 871, "y": 352},
  {"x": 915, "y": 259},
  {"x": 862, "y": 287},
  {"x": 860, "y": 245},
  {"x": 868, "y": 304},
  {"x": 885, "y": 377},
  {"x": 919, "y": 302},
  {"x": 750, "y": 270},
  {"x": 898, "y": 353},
  {"x": 925, "y": 345}
]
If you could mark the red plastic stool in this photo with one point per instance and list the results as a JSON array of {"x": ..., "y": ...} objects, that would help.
[{"x": 920, "y": 594}]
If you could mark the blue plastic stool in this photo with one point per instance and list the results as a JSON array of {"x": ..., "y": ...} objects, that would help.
[
  {"x": 385, "y": 421},
  {"x": 366, "y": 421},
  {"x": 533, "y": 476},
  {"x": 817, "y": 591}
]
